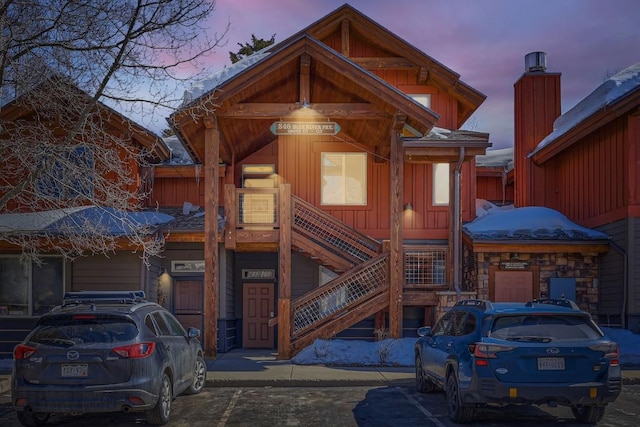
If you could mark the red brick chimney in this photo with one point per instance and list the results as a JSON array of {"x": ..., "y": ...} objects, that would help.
[{"x": 536, "y": 106}]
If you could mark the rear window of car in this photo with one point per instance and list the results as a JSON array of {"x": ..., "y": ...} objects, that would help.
[
  {"x": 67, "y": 331},
  {"x": 544, "y": 328}
]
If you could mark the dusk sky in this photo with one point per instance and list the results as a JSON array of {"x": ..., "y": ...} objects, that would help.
[{"x": 484, "y": 41}]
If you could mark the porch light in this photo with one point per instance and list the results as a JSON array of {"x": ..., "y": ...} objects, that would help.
[
  {"x": 305, "y": 104},
  {"x": 408, "y": 207}
]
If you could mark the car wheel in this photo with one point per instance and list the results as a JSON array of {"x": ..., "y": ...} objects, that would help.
[
  {"x": 423, "y": 384},
  {"x": 199, "y": 377},
  {"x": 458, "y": 413},
  {"x": 590, "y": 414},
  {"x": 159, "y": 414},
  {"x": 33, "y": 419}
]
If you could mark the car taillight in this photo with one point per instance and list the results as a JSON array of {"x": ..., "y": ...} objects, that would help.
[
  {"x": 610, "y": 350},
  {"x": 135, "y": 351},
  {"x": 488, "y": 351},
  {"x": 22, "y": 352}
]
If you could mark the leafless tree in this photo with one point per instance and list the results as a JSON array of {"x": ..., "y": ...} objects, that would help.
[{"x": 66, "y": 67}]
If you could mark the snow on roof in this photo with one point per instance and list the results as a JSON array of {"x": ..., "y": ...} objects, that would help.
[
  {"x": 227, "y": 73},
  {"x": 179, "y": 155},
  {"x": 500, "y": 158},
  {"x": 109, "y": 220},
  {"x": 527, "y": 223},
  {"x": 612, "y": 90}
]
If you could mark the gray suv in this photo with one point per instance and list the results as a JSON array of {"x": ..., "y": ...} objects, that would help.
[{"x": 105, "y": 352}]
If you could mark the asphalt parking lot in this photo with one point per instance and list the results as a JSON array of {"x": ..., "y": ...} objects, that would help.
[{"x": 366, "y": 406}]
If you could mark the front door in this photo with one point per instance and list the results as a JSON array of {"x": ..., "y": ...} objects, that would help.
[
  {"x": 257, "y": 307},
  {"x": 188, "y": 303},
  {"x": 514, "y": 286}
]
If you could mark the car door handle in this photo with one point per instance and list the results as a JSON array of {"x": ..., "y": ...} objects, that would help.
[{"x": 449, "y": 346}]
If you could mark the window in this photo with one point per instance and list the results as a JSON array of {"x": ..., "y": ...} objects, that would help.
[
  {"x": 70, "y": 177},
  {"x": 440, "y": 184},
  {"x": 28, "y": 289},
  {"x": 344, "y": 179},
  {"x": 424, "y": 100}
]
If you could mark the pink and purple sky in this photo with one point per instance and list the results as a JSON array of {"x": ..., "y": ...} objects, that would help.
[{"x": 484, "y": 41}]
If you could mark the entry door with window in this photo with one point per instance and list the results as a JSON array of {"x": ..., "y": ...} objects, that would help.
[{"x": 257, "y": 307}]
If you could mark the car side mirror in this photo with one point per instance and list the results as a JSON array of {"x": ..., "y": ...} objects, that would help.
[
  {"x": 425, "y": 330},
  {"x": 193, "y": 333}
]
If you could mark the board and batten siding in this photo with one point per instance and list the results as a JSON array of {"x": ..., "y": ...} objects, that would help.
[
  {"x": 611, "y": 290},
  {"x": 121, "y": 271}
]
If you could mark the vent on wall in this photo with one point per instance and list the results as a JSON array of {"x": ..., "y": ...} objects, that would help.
[{"x": 535, "y": 61}]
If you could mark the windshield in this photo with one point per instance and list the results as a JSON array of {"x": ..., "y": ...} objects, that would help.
[
  {"x": 544, "y": 328},
  {"x": 68, "y": 331}
]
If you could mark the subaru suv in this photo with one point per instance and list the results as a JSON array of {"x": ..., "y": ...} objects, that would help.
[
  {"x": 104, "y": 352},
  {"x": 541, "y": 352}
]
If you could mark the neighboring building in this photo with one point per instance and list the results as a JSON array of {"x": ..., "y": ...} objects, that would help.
[
  {"x": 584, "y": 164},
  {"x": 29, "y": 289}
]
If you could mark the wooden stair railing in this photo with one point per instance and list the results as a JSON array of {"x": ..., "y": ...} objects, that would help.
[
  {"x": 334, "y": 237},
  {"x": 341, "y": 303}
]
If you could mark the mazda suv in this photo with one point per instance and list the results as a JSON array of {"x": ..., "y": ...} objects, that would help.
[{"x": 104, "y": 352}]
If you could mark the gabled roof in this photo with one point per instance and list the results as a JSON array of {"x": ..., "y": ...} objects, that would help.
[
  {"x": 20, "y": 108},
  {"x": 247, "y": 101},
  {"x": 618, "y": 95},
  {"x": 399, "y": 53}
]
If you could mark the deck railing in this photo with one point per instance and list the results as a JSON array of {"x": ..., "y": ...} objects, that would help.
[{"x": 425, "y": 266}]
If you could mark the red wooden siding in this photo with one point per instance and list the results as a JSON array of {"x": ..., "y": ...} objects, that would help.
[{"x": 597, "y": 162}]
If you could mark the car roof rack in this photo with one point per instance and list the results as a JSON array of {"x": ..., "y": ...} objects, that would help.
[
  {"x": 560, "y": 302},
  {"x": 478, "y": 303},
  {"x": 122, "y": 297}
]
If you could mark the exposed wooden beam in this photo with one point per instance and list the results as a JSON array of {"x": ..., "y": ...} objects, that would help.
[
  {"x": 211, "y": 197},
  {"x": 268, "y": 110},
  {"x": 305, "y": 66},
  {"x": 390, "y": 63},
  {"x": 423, "y": 75},
  {"x": 346, "y": 50}
]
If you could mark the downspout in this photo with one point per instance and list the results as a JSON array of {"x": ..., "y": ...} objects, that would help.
[
  {"x": 625, "y": 257},
  {"x": 456, "y": 223}
]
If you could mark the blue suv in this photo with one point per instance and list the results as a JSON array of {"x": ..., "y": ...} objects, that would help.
[{"x": 540, "y": 352}]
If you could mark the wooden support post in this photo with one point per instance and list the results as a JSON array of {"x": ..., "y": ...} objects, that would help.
[
  {"x": 346, "y": 48},
  {"x": 211, "y": 270},
  {"x": 305, "y": 83},
  {"x": 396, "y": 258},
  {"x": 284, "y": 276}
]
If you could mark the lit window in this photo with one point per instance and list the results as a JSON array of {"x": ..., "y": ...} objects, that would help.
[
  {"x": 424, "y": 100},
  {"x": 440, "y": 184},
  {"x": 344, "y": 179}
]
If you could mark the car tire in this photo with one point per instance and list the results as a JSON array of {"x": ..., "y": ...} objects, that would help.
[
  {"x": 458, "y": 413},
  {"x": 423, "y": 383},
  {"x": 588, "y": 414},
  {"x": 33, "y": 419},
  {"x": 159, "y": 414},
  {"x": 199, "y": 377}
]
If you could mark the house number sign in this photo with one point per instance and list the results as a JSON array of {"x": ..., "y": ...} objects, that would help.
[
  {"x": 258, "y": 273},
  {"x": 305, "y": 128}
]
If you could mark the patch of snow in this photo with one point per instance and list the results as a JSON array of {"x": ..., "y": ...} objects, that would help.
[
  {"x": 499, "y": 158},
  {"x": 527, "y": 223},
  {"x": 439, "y": 133},
  {"x": 612, "y": 90},
  {"x": 179, "y": 155}
]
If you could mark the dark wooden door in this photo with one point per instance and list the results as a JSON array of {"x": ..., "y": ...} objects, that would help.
[
  {"x": 257, "y": 307},
  {"x": 513, "y": 286},
  {"x": 188, "y": 303}
]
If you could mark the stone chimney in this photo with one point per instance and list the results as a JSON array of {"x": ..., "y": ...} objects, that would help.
[{"x": 536, "y": 106}]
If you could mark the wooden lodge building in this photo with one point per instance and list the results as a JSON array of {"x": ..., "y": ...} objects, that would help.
[{"x": 330, "y": 195}]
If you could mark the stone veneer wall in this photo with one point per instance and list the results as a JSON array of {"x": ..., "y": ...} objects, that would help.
[
  {"x": 447, "y": 299},
  {"x": 582, "y": 267}
]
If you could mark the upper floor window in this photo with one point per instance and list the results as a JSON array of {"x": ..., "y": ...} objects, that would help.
[
  {"x": 423, "y": 99},
  {"x": 440, "y": 184},
  {"x": 69, "y": 177},
  {"x": 344, "y": 179}
]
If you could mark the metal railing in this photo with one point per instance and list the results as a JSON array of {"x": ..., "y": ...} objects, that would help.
[{"x": 425, "y": 266}]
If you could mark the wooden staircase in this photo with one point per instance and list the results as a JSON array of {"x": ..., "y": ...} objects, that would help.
[{"x": 360, "y": 291}]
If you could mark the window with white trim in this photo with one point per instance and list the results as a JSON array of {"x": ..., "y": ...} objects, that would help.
[
  {"x": 344, "y": 179},
  {"x": 422, "y": 99},
  {"x": 29, "y": 289},
  {"x": 440, "y": 184}
]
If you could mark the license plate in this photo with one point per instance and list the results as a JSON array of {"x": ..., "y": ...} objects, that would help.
[
  {"x": 551, "y": 363},
  {"x": 75, "y": 370}
]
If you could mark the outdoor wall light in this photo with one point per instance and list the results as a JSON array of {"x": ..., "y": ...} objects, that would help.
[
  {"x": 305, "y": 104},
  {"x": 408, "y": 207}
]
